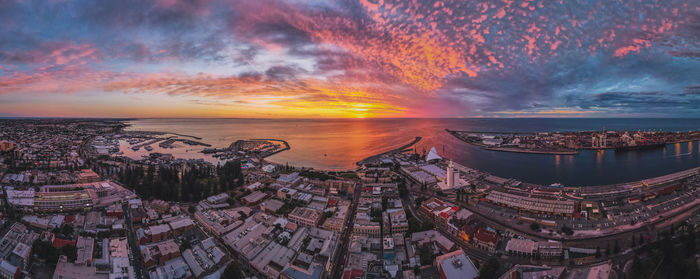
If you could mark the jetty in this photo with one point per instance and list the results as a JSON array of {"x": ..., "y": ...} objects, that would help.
[{"x": 376, "y": 157}]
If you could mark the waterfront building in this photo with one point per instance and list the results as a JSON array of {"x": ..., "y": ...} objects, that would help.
[{"x": 532, "y": 204}]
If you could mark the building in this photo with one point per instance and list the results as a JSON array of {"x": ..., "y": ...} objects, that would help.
[
  {"x": 21, "y": 255},
  {"x": 286, "y": 193},
  {"x": 160, "y": 206},
  {"x": 64, "y": 201},
  {"x": 305, "y": 216},
  {"x": 85, "y": 247},
  {"x": 290, "y": 180},
  {"x": 203, "y": 257},
  {"x": 520, "y": 247},
  {"x": 9, "y": 271},
  {"x": 549, "y": 249},
  {"x": 6, "y": 145},
  {"x": 120, "y": 268},
  {"x": 532, "y": 271},
  {"x": 398, "y": 221},
  {"x": 159, "y": 253},
  {"x": 271, "y": 205},
  {"x": 172, "y": 269},
  {"x": 220, "y": 198},
  {"x": 158, "y": 232},
  {"x": 67, "y": 270},
  {"x": 456, "y": 265},
  {"x": 532, "y": 204},
  {"x": 486, "y": 240},
  {"x": 254, "y": 198},
  {"x": 432, "y": 237},
  {"x": 87, "y": 176},
  {"x": 181, "y": 225},
  {"x": 336, "y": 222}
]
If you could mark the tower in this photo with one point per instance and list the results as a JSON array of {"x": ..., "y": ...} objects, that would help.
[{"x": 450, "y": 176}]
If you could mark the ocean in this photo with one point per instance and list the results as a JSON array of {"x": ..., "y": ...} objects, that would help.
[{"x": 336, "y": 144}]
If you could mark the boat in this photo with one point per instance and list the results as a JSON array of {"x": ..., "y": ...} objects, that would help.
[{"x": 646, "y": 146}]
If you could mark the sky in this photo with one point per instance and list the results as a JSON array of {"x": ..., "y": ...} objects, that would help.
[{"x": 308, "y": 59}]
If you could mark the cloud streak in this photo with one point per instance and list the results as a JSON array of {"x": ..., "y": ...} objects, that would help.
[{"x": 363, "y": 58}]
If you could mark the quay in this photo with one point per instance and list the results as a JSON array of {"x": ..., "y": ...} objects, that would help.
[
  {"x": 393, "y": 151},
  {"x": 569, "y": 143}
]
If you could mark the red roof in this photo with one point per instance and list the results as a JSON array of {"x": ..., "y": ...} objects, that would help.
[
  {"x": 70, "y": 218},
  {"x": 58, "y": 242},
  {"x": 486, "y": 236},
  {"x": 444, "y": 215},
  {"x": 332, "y": 202},
  {"x": 350, "y": 274},
  {"x": 367, "y": 189},
  {"x": 455, "y": 208}
]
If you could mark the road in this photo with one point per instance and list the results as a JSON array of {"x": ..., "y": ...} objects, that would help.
[
  {"x": 135, "y": 252},
  {"x": 341, "y": 254}
]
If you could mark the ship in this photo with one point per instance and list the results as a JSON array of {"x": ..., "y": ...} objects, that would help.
[{"x": 645, "y": 146}]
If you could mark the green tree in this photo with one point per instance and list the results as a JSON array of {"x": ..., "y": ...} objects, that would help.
[
  {"x": 567, "y": 230},
  {"x": 69, "y": 251},
  {"x": 490, "y": 269},
  {"x": 535, "y": 227},
  {"x": 233, "y": 271},
  {"x": 185, "y": 245}
]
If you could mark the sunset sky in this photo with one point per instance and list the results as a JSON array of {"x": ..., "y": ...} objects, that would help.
[{"x": 259, "y": 58}]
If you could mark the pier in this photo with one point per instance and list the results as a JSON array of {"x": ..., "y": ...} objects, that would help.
[{"x": 397, "y": 150}]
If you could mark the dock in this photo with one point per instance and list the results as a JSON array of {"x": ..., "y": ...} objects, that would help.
[{"x": 393, "y": 151}]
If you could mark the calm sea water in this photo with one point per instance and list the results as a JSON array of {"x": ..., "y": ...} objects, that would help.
[{"x": 337, "y": 144}]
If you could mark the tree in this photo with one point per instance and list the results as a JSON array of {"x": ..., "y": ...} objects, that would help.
[
  {"x": 617, "y": 247},
  {"x": 185, "y": 245},
  {"x": 490, "y": 269},
  {"x": 66, "y": 229},
  {"x": 567, "y": 230},
  {"x": 426, "y": 256},
  {"x": 597, "y": 252},
  {"x": 673, "y": 230},
  {"x": 70, "y": 251},
  {"x": 233, "y": 271},
  {"x": 191, "y": 209},
  {"x": 535, "y": 227}
]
